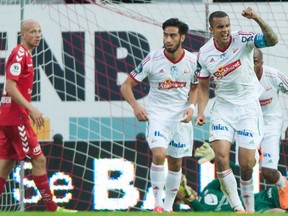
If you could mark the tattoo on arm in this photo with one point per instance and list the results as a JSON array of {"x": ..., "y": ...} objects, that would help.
[{"x": 270, "y": 36}]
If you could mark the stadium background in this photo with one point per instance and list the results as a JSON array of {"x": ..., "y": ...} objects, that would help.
[{"x": 86, "y": 52}]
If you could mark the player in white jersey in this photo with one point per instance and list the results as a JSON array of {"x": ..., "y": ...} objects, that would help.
[
  {"x": 236, "y": 113},
  {"x": 273, "y": 82},
  {"x": 169, "y": 109}
]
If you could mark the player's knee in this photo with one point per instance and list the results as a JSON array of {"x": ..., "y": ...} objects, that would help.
[
  {"x": 247, "y": 165},
  {"x": 271, "y": 175},
  {"x": 159, "y": 157}
]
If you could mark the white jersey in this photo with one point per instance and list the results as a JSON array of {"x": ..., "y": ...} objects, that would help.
[
  {"x": 169, "y": 83},
  {"x": 273, "y": 81},
  {"x": 232, "y": 69}
]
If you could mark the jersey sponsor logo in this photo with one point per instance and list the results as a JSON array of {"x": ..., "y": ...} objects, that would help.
[
  {"x": 266, "y": 101},
  {"x": 244, "y": 133},
  {"x": 37, "y": 150},
  {"x": 247, "y": 39},
  {"x": 15, "y": 69},
  {"x": 177, "y": 145},
  {"x": 169, "y": 84},
  {"x": 219, "y": 127},
  {"x": 29, "y": 65},
  {"x": 225, "y": 70},
  {"x": 5, "y": 99}
]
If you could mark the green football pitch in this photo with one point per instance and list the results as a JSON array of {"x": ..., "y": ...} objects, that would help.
[{"x": 131, "y": 213}]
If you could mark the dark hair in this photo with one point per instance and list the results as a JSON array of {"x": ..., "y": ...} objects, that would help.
[
  {"x": 217, "y": 14},
  {"x": 183, "y": 27}
]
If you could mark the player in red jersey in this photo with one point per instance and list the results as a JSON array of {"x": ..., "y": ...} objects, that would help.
[{"x": 17, "y": 138}]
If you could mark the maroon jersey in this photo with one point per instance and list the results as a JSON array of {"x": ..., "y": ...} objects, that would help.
[{"x": 19, "y": 67}]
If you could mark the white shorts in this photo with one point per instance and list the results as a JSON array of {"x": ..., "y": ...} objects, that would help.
[
  {"x": 176, "y": 137},
  {"x": 240, "y": 123},
  {"x": 271, "y": 144}
]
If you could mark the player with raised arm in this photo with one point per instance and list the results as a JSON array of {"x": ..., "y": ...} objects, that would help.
[
  {"x": 236, "y": 113},
  {"x": 273, "y": 82},
  {"x": 17, "y": 138},
  {"x": 169, "y": 109}
]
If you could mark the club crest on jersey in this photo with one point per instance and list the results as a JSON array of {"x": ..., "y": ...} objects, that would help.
[
  {"x": 223, "y": 56},
  {"x": 15, "y": 69},
  {"x": 173, "y": 71},
  {"x": 225, "y": 70},
  {"x": 169, "y": 84}
]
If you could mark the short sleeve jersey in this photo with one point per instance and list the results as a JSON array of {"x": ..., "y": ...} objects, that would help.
[
  {"x": 232, "y": 69},
  {"x": 273, "y": 82},
  {"x": 19, "y": 67},
  {"x": 169, "y": 82}
]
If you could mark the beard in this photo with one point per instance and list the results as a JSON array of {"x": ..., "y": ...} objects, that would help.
[{"x": 172, "y": 49}]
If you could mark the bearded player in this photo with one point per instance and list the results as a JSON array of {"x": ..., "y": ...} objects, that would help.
[{"x": 170, "y": 107}]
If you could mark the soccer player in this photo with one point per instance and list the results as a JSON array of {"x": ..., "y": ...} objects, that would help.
[
  {"x": 169, "y": 109},
  {"x": 212, "y": 197},
  {"x": 17, "y": 138},
  {"x": 273, "y": 82},
  {"x": 236, "y": 113}
]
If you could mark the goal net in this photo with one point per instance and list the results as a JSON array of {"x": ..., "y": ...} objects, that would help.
[{"x": 97, "y": 157}]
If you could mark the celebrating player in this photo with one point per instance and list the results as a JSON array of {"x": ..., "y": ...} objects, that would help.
[
  {"x": 273, "y": 82},
  {"x": 17, "y": 138},
  {"x": 169, "y": 110},
  {"x": 236, "y": 113}
]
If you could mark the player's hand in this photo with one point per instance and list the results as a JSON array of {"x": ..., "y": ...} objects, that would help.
[
  {"x": 200, "y": 119},
  {"x": 37, "y": 117},
  {"x": 249, "y": 13},
  {"x": 205, "y": 152},
  {"x": 140, "y": 113},
  {"x": 187, "y": 116},
  {"x": 185, "y": 193}
]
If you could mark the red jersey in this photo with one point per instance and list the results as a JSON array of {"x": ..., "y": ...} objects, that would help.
[{"x": 19, "y": 67}]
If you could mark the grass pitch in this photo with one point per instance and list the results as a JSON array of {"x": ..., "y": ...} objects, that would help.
[{"x": 131, "y": 213}]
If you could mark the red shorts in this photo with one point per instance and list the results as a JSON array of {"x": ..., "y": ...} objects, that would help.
[{"x": 18, "y": 141}]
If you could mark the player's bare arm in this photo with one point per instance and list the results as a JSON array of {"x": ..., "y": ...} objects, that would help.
[
  {"x": 203, "y": 97},
  {"x": 270, "y": 36},
  {"x": 127, "y": 92},
  {"x": 189, "y": 112},
  {"x": 14, "y": 93}
]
